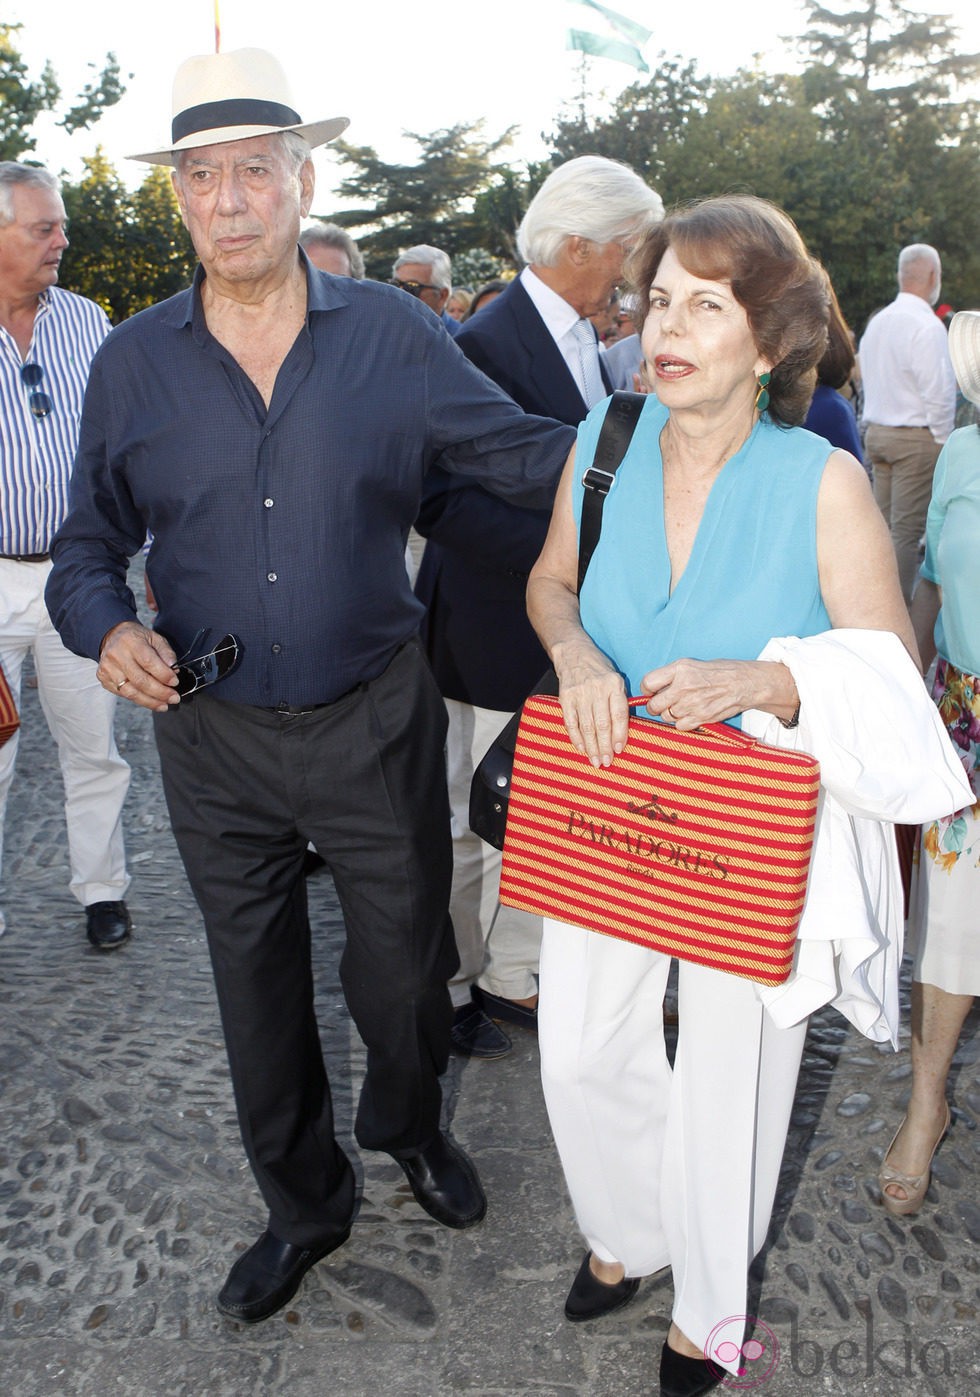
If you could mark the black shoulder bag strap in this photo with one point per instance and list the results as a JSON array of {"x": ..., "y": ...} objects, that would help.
[
  {"x": 616, "y": 433},
  {"x": 490, "y": 788}
]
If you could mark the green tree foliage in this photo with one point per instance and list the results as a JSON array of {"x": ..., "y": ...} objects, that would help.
[
  {"x": 647, "y": 127},
  {"x": 849, "y": 147},
  {"x": 22, "y": 99},
  {"x": 498, "y": 209},
  {"x": 128, "y": 250},
  {"x": 476, "y": 267},
  {"x": 161, "y": 254},
  {"x": 907, "y": 57},
  {"x": 431, "y": 201},
  {"x": 885, "y": 81}
]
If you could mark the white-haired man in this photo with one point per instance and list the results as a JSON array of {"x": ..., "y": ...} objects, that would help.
[
  {"x": 271, "y": 427},
  {"x": 47, "y": 340},
  {"x": 909, "y": 402},
  {"x": 536, "y": 341},
  {"x": 427, "y": 273}
]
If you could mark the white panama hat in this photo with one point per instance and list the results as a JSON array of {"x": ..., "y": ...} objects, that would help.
[
  {"x": 964, "y": 350},
  {"x": 221, "y": 97}
]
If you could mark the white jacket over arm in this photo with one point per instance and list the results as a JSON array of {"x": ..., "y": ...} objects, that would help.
[{"x": 885, "y": 759}]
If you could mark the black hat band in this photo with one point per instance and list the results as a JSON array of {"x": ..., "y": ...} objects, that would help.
[{"x": 244, "y": 111}]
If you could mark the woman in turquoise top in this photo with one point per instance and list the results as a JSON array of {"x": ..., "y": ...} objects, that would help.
[
  {"x": 726, "y": 526},
  {"x": 946, "y": 974}
]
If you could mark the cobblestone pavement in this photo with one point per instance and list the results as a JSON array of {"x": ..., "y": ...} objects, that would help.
[{"x": 123, "y": 1195}]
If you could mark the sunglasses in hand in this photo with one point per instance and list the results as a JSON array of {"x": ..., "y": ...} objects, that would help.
[{"x": 197, "y": 670}]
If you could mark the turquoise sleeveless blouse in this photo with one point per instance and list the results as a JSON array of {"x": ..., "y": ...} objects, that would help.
[{"x": 752, "y": 574}]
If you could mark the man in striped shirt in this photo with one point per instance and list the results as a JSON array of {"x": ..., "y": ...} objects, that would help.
[{"x": 47, "y": 340}]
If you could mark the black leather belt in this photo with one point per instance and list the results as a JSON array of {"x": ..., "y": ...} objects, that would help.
[
  {"x": 25, "y": 557},
  {"x": 288, "y": 711}
]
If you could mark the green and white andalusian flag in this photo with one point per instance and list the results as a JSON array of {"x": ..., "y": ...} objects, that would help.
[{"x": 619, "y": 40}]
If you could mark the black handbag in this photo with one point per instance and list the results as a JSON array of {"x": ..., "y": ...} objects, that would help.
[{"x": 490, "y": 787}]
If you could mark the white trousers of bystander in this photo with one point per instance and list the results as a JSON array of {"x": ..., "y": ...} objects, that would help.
[
  {"x": 499, "y": 946},
  {"x": 79, "y": 714}
]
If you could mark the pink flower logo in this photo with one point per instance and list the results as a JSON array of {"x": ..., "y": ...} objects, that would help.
[{"x": 753, "y": 1360}]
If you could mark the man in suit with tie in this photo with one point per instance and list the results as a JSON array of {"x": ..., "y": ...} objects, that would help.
[{"x": 536, "y": 341}]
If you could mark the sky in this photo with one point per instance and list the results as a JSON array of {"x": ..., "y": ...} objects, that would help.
[{"x": 503, "y": 61}]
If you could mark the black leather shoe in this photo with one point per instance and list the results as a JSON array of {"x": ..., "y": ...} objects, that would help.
[
  {"x": 589, "y": 1297},
  {"x": 268, "y": 1275},
  {"x": 681, "y": 1376},
  {"x": 497, "y": 1007},
  {"x": 445, "y": 1183},
  {"x": 474, "y": 1035},
  {"x": 108, "y": 924}
]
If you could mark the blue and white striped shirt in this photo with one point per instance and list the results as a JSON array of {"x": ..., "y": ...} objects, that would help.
[{"x": 36, "y": 454}]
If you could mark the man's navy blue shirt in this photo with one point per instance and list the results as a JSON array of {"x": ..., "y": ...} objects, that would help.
[{"x": 287, "y": 526}]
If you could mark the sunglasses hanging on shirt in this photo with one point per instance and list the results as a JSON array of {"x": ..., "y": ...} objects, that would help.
[{"x": 32, "y": 375}]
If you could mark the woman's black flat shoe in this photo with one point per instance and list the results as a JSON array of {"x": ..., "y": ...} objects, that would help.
[
  {"x": 589, "y": 1297},
  {"x": 685, "y": 1377}
]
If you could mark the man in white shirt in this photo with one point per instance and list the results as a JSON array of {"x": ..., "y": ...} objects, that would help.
[{"x": 909, "y": 401}]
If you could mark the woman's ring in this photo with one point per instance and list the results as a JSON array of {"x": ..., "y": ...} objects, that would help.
[
  {"x": 121, "y": 683},
  {"x": 669, "y": 713}
]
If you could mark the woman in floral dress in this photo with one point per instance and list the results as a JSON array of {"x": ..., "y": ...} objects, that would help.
[{"x": 946, "y": 896}]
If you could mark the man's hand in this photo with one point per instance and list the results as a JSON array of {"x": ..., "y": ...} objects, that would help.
[{"x": 135, "y": 664}]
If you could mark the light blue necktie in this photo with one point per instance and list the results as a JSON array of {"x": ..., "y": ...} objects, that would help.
[{"x": 588, "y": 353}]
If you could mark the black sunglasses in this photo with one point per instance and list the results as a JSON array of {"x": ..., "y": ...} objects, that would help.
[
  {"x": 197, "y": 671},
  {"x": 31, "y": 376},
  {"x": 414, "y": 288}
]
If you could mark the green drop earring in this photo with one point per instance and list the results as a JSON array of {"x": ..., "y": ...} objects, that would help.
[{"x": 762, "y": 396}]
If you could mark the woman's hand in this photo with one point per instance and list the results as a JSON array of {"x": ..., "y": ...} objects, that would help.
[
  {"x": 593, "y": 703},
  {"x": 689, "y": 693}
]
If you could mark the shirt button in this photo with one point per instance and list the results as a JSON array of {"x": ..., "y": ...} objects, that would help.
[
  {"x": 273, "y": 577},
  {"x": 268, "y": 503},
  {"x": 276, "y": 648}
]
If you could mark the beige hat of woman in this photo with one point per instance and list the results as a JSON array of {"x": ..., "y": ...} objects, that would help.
[
  {"x": 221, "y": 97},
  {"x": 964, "y": 350}
]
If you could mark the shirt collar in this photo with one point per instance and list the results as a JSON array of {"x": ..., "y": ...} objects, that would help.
[
  {"x": 915, "y": 303},
  {"x": 323, "y": 292},
  {"x": 559, "y": 317}
]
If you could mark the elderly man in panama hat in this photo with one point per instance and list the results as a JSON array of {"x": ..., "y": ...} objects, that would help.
[{"x": 271, "y": 427}]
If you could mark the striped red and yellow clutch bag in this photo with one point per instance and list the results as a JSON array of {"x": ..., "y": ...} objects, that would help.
[
  {"x": 696, "y": 844},
  {"x": 9, "y": 717}
]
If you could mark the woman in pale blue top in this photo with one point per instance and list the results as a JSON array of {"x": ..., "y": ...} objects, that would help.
[
  {"x": 946, "y": 892},
  {"x": 752, "y": 570},
  {"x": 727, "y": 525}
]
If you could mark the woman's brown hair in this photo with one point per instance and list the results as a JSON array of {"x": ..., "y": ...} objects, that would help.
[
  {"x": 752, "y": 244},
  {"x": 837, "y": 364}
]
